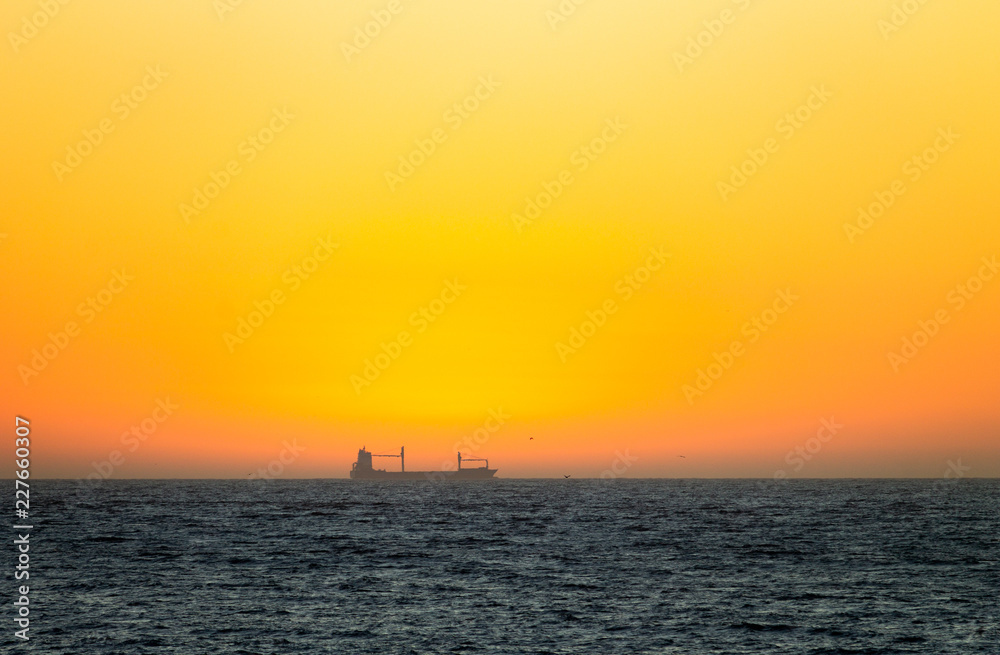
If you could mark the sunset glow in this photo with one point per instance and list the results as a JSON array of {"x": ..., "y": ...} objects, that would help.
[{"x": 559, "y": 241}]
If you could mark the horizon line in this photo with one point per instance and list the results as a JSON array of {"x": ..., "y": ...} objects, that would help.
[{"x": 956, "y": 479}]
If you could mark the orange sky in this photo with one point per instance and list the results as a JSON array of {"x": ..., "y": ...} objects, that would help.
[{"x": 299, "y": 238}]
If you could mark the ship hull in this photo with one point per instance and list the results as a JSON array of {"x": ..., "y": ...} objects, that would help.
[{"x": 430, "y": 476}]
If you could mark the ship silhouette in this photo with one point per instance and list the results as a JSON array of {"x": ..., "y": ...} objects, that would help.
[{"x": 363, "y": 470}]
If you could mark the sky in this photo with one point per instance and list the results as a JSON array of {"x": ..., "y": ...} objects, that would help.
[{"x": 620, "y": 239}]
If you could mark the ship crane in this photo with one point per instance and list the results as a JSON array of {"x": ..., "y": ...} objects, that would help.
[
  {"x": 472, "y": 459},
  {"x": 402, "y": 466}
]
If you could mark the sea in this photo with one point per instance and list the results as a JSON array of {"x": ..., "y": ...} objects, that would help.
[{"x": 567, "y": 566}]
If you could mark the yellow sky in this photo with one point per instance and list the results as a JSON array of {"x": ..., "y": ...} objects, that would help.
[{"x": 186, "y": 160}]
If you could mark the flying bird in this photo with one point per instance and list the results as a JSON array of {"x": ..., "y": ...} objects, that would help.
[
  {"x": 682, "y": 456},
  {"x": 531, "y": 438},
  {"x": 565, "y": 476}
]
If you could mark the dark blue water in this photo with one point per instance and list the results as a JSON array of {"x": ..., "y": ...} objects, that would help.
[{"x": 514, "y": 566}]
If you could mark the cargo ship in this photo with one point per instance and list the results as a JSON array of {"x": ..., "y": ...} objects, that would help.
[{"x": 363, "y": 470}]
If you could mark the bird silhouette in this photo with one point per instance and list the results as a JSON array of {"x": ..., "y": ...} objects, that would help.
[
  {"x": 531, "y": 438},
  {"x": 565, "y": 476},
  {"x": 682, "y": 456}
]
